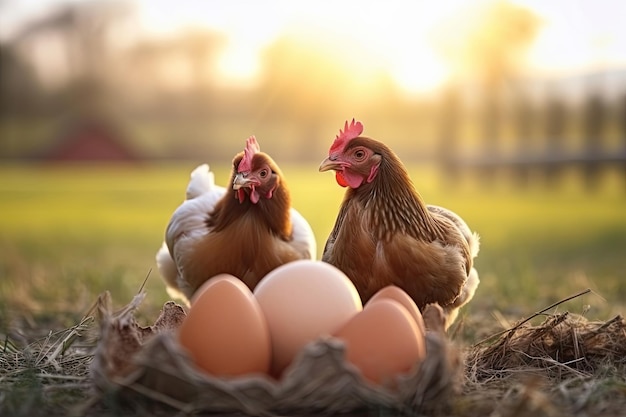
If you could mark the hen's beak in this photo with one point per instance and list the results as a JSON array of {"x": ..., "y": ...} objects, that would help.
[
  {"x": 241, "y": 182},
  {"x": 328, "y": 164}
]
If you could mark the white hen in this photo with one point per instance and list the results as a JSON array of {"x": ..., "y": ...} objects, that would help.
[{"x": 214, "y": 231}]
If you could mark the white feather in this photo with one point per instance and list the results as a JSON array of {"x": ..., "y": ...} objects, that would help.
[
  {"x": 169, "y": 272},
  {"x": 303, "y": 235},
  {"x": 202, "y": 181},
  {"x": 187, "y": 224}
]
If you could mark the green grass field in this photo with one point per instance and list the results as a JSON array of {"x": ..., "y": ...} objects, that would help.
[{"x": 69, "y": 233}]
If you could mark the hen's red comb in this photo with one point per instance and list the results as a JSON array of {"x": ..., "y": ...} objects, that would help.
[
  {"x": 349, "y": 132},
  {"x": 252, "y": 147}
]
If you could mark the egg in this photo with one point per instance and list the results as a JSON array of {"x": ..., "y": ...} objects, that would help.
[
  {"x": 302, "y": 301},
  {"x": 225, "y": 331},
  {"x": 383, "y": 341},
  {"x": 398, "y": 294}
]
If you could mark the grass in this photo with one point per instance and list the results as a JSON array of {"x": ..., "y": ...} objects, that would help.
[{"x": 69, "y": 233}]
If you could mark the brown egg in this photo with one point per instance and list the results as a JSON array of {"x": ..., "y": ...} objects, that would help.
[
  {"x": 225, "y": 331},
  {"x": 398, "y": 294},
  {"x": 383, "y": 341},
  {"x": 302, "y": 301}
]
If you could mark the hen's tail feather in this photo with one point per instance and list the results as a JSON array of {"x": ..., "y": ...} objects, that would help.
[
  {"x": 473, "y": 240},
  {"x": 467, "y": 293},
  {"x": 474, "y": 244},
  {"x": 303, "y": 236},
  {"x": 202, "y": 181},
  {"x": 169, "y": 272},
  {"x": 167, "y": 267}
]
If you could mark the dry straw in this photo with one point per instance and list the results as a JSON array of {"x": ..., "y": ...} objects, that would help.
[
  {"x": 56, "y": 366},
  {"x": 566, "y": 365}
]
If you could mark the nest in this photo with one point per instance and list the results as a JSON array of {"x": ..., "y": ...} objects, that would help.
[
  {"x": 143, "y": 367},
  {"x": 563, "y": 344},
  {"x": 564, "y": 366}
]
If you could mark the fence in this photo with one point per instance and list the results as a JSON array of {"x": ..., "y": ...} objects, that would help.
[{"x": 588, "y": 138}]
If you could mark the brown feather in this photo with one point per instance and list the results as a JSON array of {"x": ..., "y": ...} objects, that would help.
[
  {"x": 385, "y": 234},
  {"x": 246, "y": 240},
  {"x": 274, "y": 212},
  {"x": 246, "y": 249}
]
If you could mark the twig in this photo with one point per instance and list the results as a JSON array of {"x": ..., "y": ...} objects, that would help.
[
  {"x": 43, "y": 375},
  {"x": 42, "y": 352},
  {"x": 554, "y": 362},
  {"x": 9, "y": 346},
  {"x": 526, "y": 320},
  {"x": 66, "y": 342},
  {"x": 144, "y": 281}
]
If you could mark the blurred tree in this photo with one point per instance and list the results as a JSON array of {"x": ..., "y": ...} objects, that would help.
[
  {"x": 488, "y": 42},
  {"x": 173, "y": 81},
  {"x": 594, "y": 124},
  {"x": 555, "y": 130},
  {"x": 449, "y": 122},
  {"x": 306, "y": 83},
  {"x": 173, "y": 76},
  {"x": 523, "y": 114},
  {"x": 20, "y": 91},
  {"x": 76, "y": 39},
  {"x": 622, "y": 131}
]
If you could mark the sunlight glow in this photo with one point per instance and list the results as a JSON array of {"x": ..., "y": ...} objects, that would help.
[
  {"x": 392, "y": 36},
  {"x": 420, "y": 77},
  {"x": 238, "y": 66},
  {"x": 396, "y": 37}
]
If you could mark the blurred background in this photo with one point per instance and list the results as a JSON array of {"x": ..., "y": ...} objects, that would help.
[
  {"x": 467, "y": 85},
  {"x": 512, "y": 113}
]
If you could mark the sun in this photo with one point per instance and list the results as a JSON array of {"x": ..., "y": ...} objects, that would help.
[
  {"x": 239, "y": 66},
  {"x": 419, "y": 72},
  {"x": 390, "y": 38},
  {"x": 424, "y": 77}
]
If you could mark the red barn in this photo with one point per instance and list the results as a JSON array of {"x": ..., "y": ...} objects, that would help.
[{"x": 91, "y": 141}]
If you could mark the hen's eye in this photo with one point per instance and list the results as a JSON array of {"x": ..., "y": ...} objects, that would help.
[
  {"x": 263, "y": 173},
  {"x": 359, "y": 154}
]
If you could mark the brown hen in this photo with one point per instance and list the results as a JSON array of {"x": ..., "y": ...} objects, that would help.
[
  {"x": 386, "y": 235},
  {"x": 246, "y": 231}
]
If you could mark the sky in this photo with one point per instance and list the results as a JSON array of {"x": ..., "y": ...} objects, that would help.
[{"x": 575, "y": 35}]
